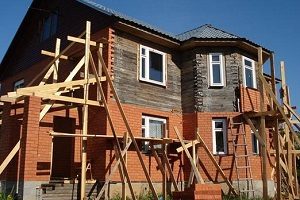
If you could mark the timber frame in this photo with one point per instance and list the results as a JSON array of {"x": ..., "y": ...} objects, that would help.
[{"x": 282, "y": 115}]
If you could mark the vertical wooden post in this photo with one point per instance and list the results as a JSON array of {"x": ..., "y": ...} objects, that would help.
[
  {"x": 124, "y": 183},
  {"x": 262, "y": 128},
  {"x": 85, "y": 111},
  {"x": 164, "y": 148},
  {"x": 56, "y": 63}
]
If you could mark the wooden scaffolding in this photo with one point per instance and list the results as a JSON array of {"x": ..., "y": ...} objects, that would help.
[{"x": 282, "y": 116}]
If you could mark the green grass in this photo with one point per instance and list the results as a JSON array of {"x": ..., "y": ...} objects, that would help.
[
  {"x": 3, "y": 196},
  {"x": 142, "y": 196}
]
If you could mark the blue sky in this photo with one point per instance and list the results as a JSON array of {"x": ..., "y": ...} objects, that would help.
[{"x": 275, "y": 24}]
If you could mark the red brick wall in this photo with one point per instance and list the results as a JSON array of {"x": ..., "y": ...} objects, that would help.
[{"x": 204, "y": 122}]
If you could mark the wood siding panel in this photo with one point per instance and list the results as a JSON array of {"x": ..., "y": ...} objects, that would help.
[{"x": 133, "y": 91}]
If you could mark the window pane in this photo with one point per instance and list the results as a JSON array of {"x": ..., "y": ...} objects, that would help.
[
  {"x": 143, "y": 67},
  {"x": 155, "y": 128},
  {"x": 216, "y": 73},
  {"x": 54, "y": 20},
  {"x": 249, "y": 77},
  {"x": 254, "y": 144},
  {"x": 155, "y": 66},
  {"x": 215, "y": 57},
  {"x": 219, "y": 125},
  {"x": 143, "y": 121},
  {"x": 248, "y": 63},
  {"x": 220, "y": 147},
  {"x": 143, "y": 51}
]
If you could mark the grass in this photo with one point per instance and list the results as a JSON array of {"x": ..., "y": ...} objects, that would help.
[
  {"x": 142, "y": 196},
  {"x": 3, "y": 196}
]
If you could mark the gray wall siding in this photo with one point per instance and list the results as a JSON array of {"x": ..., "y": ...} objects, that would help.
[
  {"x": 197, "y": 95},
  {"x": 130, "y": 89}
]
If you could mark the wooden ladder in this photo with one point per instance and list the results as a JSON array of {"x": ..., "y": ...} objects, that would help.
[{"x": 241, "y": 158}]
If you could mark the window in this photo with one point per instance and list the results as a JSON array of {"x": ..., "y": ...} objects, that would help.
[
  {"x": 152, "y": 65},
  {"x": 216, "y": 69},
  {"x": 49, "y": 26},
  {"x": 154, "y": 128},
  {"x": 18, "y": 84},
  {"x": 249, "y": 73},
  {"x": 219, "y": 136},
  {"x": 255, "y": 144}
]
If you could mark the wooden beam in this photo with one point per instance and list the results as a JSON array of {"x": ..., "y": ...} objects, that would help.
[
  {"x": 212, "y": 158},
  {"x": 80, "y": 40},
  {"x": 265, "y": 113},
  {"x": 262, "y": 126},
  {"x": 108, "y": 178},
  {"x": 62, "y": 98},
  {"x": 295, "y": 135},
  {"x": 58, "y": 86},
  {"x": 85, "y": 111},
  {"x": 52, "y": 62},
  {"x": 254, "y": 130},
  {"x": 164, "y": 156},
  {"x": 120, "y": 107},
  {"x": 112, "y": 124},
  {"x": 187, "y": 145},
  {"x": 69, "y": 78},
  {"x": 48, "y": 53},
  {"x": 10, "y": 156},
  {"x": 194, "y": 167}
]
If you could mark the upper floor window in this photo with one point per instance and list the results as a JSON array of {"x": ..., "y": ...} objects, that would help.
[
  {"x": 152, "y": 127},
  {"x": 49, "y": 26},
  {"x": 249, "y": 73},
  {"x": 19, "y": 84},
  {"x": 255, "y": 144},
  {"x": 216, "y": 69},
  {"x": 152, "y": 65},
  {"x": 219, "y": 136}
]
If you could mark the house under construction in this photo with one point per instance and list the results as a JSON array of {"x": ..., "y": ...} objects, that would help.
[{"x": 94, "y": 102}]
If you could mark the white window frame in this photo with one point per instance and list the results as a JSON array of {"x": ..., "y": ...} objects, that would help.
[
  {"x": 146, "y": 78},
  {"x": 147, "y": 131},
  {"x": 214, "y": 130},
  {"x": 252, "y": 69},
  {"x": 220, "y": 62},
  {"x": 257, "y": 144},
  {"x": 18, "y": 83}
]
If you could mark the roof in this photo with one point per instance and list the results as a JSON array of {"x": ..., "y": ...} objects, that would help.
[
  {"x": 122, "y": 16},
  {"x": 206, "y": 31}
]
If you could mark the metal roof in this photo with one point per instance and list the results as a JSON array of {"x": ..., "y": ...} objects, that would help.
[
  {"x": 122, "y": 16},
  {"x": 206, "y": 31}
]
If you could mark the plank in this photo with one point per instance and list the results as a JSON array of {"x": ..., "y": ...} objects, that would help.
[
  {"x": 10, "y": 156},
  {"x": 153, "y": 190},
  {"x": 61, "y": 98},
  {"x": 53, "y": 61},
  {"x": 80, "y": 40},
  {"x": 187, "y": 145},
  {"x": 111, "y": 121},
  {"x": 48, "y": 53},
  {"x": 254, "y": 130},
  {"x": 109, "y": 177},
  {"x": 194, "y": 167},
  {"x": 212, "y": 158},
  {"x": 164, "y": 155}
]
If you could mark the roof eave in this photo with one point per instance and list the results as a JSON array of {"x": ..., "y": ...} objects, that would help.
[
  {"x": 236, "y": 42},
  {"x": 147, "y": 34}
]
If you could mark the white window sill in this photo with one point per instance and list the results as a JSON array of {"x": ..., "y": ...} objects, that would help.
[{"x": 153, "y": 82}]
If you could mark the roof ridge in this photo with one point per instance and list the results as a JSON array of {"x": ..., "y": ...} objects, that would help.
[
  {"x": 197, "y": 28},
  {"x": 211, "y": 26}
]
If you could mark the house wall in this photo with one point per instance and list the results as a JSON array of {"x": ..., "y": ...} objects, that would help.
[
  {"x": 126, "y": 73},
  {"x": 198, "y": 95}
]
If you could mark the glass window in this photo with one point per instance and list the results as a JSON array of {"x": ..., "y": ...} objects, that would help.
[
  {"x": 219, "y": 136},
  {"x": 19, "y": 84},
  {"x": 249, "y": 73},
  {"x": 49, "y": 27},
  {"x": 152, "y": 65},
  {"x": 255, "y": 144},
  {"x": 154, "y": 128},
  {"x": 216, "y": 69}
]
